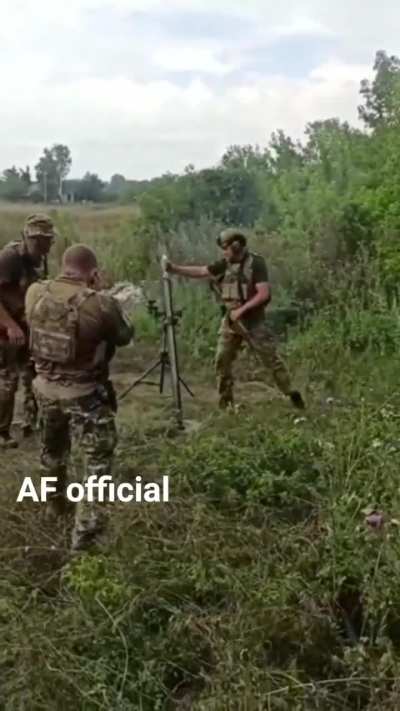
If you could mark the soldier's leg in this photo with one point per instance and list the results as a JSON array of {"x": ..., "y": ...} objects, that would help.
[
  {"x": 273, "y": 362},
  {"x": 55, "y": 449},
  {"x": 228, "y": 347},
  {"x": 93, "y": 430},
  {"x": 8, "y": 389},
  {"x": 29, "y": 404}
]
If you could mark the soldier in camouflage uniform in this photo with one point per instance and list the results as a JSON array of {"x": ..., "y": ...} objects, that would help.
[
  {"x": 74, "y": 333},
  {"x": 20, "y": 265},
  {"x": 241, "y": 280}
]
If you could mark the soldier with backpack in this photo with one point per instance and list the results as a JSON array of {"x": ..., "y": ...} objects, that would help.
[
  {"x": 21, "y": 264},
  {"x": 241, "y": 280},
  {"x": 74, "y": 332}
]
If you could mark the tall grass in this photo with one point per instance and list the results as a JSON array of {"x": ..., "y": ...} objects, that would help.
[{"x": 261, "y": 586}]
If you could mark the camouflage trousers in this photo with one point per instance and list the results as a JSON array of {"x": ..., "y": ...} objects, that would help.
[
  {"x": 230, "y": 343},
  {"x": 83, "y": 430},
  {"x": 16, "y": 366}
]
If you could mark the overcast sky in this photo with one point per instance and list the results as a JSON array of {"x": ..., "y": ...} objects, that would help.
[{"x": 141, "y": 87}]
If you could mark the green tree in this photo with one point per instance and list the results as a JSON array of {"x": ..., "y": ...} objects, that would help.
[
  {"x": 248, "y": 158},
  {"x": 52, "y": 168},
  {"x": 227, "y": 196},
  {"x": 285, "y": 154},
  {"x": 14, "y": 184},
  {"x": 90, "y": 188},
  {"x": 382, "y": 96}
]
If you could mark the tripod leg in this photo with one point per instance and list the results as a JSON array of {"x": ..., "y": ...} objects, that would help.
[
  {"x": 186, "y": 386},
  {"x": 140, "y": 380},
  {"x": 164, "y": 357},
  {"x": 164, "y": 364}
]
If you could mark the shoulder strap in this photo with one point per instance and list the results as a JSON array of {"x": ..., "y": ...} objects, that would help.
[
  {"x": 248, "y": 256},
  {"x": 45, "y": 291},
  {"x": 75, "y": 301},
  {"x": 78, "y": 299}
]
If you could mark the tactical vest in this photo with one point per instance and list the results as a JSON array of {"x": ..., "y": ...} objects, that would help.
[
  {"x": 55, "y": 326},
  {"x": 236, "y": 283}
]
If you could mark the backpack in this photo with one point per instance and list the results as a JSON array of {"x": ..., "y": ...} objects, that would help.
[{"x": 54, "y": 327}]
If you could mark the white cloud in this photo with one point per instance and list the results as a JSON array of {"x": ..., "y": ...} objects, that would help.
[
  {"x": 111, "y": 123},
  {"x": 191, "y": 59},
  {"x": 300, "y": 26},
  {"x": 339, "y": 72},
  {"x": 145, "y": 103}
]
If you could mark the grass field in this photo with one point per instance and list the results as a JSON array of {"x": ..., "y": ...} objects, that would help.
[
  {"x": 88, "y": 221},
  {"x": 108, "y": 230},
  {"x": 260, "y": 586}
]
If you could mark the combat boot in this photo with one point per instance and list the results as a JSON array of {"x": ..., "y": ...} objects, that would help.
[
  {"x": 226, "y": 402},
  {"x": 297, "y": 400},
  {"x": 56, "y": 508}
]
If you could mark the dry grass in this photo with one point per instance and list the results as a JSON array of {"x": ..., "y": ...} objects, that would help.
[{"x": 85, "y": 221}]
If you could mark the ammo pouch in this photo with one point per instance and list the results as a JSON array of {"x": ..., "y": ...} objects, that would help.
[
  {"x": 54, "y": 327},
  {"x": 106, "y": 394},
  {"x": 233, "y": 291},
  {"x": 234, "y": 285}
]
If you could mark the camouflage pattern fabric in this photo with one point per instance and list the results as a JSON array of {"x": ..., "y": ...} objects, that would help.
[
  {"x": 102, "y": 327},
  {"x": 83, "y": 428},
  {"x": 39, "y": 225},
  {"x": 15, "y": 364},
  {"x": 29, "y": 404},
  {"x": 228, "y": 347}
]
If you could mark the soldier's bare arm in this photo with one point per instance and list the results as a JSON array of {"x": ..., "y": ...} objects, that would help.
[
  {"x": 192, "y": 272},
  {"x": 262, "y": 296}
]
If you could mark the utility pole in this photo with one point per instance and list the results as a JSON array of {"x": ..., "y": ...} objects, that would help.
[
  {"x": 60, "y": 189},
  {"x": 45, "y": 186}
]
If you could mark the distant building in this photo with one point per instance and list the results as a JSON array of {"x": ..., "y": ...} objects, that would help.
[{"x": 70, "y": 191}]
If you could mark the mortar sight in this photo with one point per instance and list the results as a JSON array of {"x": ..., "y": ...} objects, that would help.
[
  {"x": 157, "y": 313},
  {"x": 154, "y": 309}
]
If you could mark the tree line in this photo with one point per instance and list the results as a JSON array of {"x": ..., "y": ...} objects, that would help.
[
  {"x": 333, "y": 195},
  {"x": 337, "y": 191},
  {"x": 51, "y": 183}
]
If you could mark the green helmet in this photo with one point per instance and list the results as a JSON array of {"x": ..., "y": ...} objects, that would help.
[
  {"x": 230, "y": 236},
  {"x": 39, "y": 225}
]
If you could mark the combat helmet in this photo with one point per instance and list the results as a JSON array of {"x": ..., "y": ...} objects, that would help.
[{"x": 230, "y": 237}]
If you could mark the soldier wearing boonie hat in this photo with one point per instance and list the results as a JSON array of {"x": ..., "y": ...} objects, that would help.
[
  {"x": 39, "y": 225},
  {"x": 20, "y": 266}
]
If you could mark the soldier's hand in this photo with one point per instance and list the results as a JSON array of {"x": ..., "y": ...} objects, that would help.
[
  {"x": 16, "y": 335},
  {"x": 169, "y": 267},
  {"x": 235, "y": 315}
]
